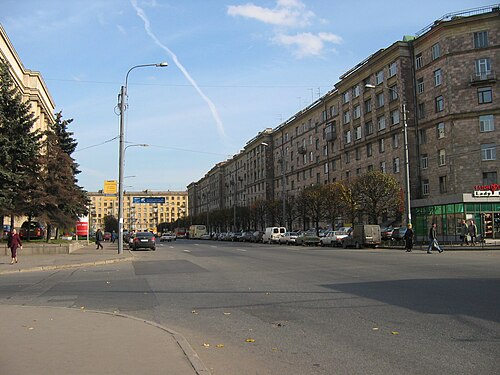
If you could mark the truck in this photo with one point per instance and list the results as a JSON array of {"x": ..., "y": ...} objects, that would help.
[
  {"x": 273, "y": 234},
  {"x": 197, "y": 231},
  {"x": 363, "y": 235}
]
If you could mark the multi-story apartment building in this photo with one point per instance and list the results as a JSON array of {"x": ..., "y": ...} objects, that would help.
[
  {"x": 433, "y": 94},
  {"x": 142, "y": 210}
]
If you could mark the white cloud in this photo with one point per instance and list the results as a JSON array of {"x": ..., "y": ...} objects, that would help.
[
  {"x": 289, "y": 13},
  {"x": 307, "y": 44}
]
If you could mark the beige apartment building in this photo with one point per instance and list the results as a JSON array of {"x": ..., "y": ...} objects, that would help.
[
  {"x": 31, "y": 86},
  {"x": 440, "y": 85},
  {"x": 142, "y": 210}
]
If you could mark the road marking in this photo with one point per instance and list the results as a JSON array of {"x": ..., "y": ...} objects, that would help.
[
  {"x": 240, "y": 249},
  {"x": 187, "y": 251}
]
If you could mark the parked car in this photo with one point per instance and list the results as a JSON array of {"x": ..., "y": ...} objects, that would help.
[
  {"x": 107, "y": 236},
  {"x": 288, "y": 238},
  {"x": 273, "y": 234},
  {"x": 333, "y": 238},
  {"x": 386, "y": 233},
  {"x": 36, "y": 230},
  {"x": 363, "y": 235},
  {"x": 6, "y": 231},
  {"x": 307, "y": 239},
  {"x": 398, "y": 234},
  {"x": 235, "y": 236},
  {"x": 246, "y": 236},
  {"x": 221, "y": 236},
  {"x": 143, "y": 240},
  {"x": 257, "y": 236},
  {"x": 168, "y": 236}
]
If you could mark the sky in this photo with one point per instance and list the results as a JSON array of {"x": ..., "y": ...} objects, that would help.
[{"x": 234, "y": 69}]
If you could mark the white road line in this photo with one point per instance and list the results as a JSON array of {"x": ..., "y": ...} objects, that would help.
[
  {"x": 240, "y": 249},
  {"x": 187, "y": 251}
]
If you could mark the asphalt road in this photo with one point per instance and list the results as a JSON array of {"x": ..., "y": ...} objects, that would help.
[{"x": 269, "y": 309}]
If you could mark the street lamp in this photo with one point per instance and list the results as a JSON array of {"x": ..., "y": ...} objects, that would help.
[
  {"x": 407, "y": 167},
  {"x": 121, "y": 162}
]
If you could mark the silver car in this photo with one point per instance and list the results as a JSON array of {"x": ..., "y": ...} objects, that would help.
[{"x": 288, "y": 238}]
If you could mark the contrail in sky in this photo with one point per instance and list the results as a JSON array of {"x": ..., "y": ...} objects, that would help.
[{"x": 211, "y": 105}]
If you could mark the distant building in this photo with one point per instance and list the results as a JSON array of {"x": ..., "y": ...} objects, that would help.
[
  {"x": 142, "y": 210},
  {"x": 445, "y": 77}
]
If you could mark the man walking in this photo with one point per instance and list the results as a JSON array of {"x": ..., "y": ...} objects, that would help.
[
  {"x": 464, "y": 232},
  {"x": 98, "y": 239},
  {"x": 433, "y": 243},
  {"x": 472, "y": 233}
]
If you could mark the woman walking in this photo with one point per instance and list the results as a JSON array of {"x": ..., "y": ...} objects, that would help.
[
  {"x": 14, "y": 244},
  {"x": 409, "y": 234}
]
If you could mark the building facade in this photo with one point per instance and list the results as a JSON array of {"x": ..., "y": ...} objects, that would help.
[
  {"x": 142, "y": 210},
  {"x": 427, "y": 106}
]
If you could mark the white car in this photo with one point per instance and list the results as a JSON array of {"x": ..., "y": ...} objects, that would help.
[
  {"x": 333, "y": 238},
  {"x": 288, "y": 238},
  {"x": 168, "y": 237}
]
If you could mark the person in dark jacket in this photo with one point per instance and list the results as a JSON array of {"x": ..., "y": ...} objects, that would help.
[
  {"x": 14, "y": 244},
  {"x": 98, "y": 239},
  {"x": 408, "y": 237},
  {"x": 433, "y": 243}
]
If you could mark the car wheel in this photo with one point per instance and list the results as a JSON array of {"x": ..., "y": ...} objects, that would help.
[{"x": 154, "y": 249}]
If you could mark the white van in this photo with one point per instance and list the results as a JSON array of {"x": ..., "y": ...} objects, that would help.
[{"x": 273, "y": 234}]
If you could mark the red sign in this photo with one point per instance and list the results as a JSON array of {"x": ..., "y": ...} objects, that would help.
[
  {"x": 492, "y": 190},
  {"x": 82, "y": 228}
]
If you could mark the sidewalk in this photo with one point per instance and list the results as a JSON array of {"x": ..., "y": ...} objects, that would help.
[
  {"x": 85, "y": 256},
  {"x": 54, "y": 340}
]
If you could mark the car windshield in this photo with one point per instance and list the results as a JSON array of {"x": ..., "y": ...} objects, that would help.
[{"x": 145, "y": 234}]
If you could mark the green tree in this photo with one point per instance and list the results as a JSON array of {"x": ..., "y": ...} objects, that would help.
[
  {"x": 110, "y": 223},
  {"x": 19, "y": 151},
  {"x": 378, "y": 195},
  {"x": 334, "y": 206},
  {"x": 312, "y": 199}
]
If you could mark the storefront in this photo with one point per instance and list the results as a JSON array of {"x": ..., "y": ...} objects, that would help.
[{"x": 482, "y": 206}]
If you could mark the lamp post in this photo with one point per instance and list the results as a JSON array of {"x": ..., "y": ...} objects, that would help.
[
  {"x": 122, "y": 98},
  {"x": 406, "y": 155}
]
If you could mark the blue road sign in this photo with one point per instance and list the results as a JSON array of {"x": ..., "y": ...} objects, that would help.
[{"x": 160, "y": 200}]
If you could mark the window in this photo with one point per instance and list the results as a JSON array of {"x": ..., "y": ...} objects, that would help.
[
  {"x": 395, "y": 165},
  {"x": 481, "y": 39},
  {"x": 311, "y": 156},
  {"x": 421, "y": 110},
  {"x": 381, "y": 122},
  {"x": 345, "y": 97},
  {"x": 333, "y": 111},
  {"x": 369, "y": 151},
  {"x": 488, "y": 152},
  {"x": 358, "y": 171},
  {"x": 347, "y": 137},
  {"x": 395, "y": 140},
  {"x": 380, "y": 99},
  {"x": 418, "y": 61},
  {"x": 442, "y": 157},
  {"x": 357, "y": 153},
  {"x": 420, "y": 85},
  {"x": 347, "y": 157},
  {"x": 370, "y": 168},
  {"x": 356, "y": 112},
  {"x": 368, "y": 106},
  {"x": 442, "y": 184},
  {"x": 484, "y": 95},
  {"x": 435, "y": 51},
  {"x": 440, "y": 130},
  {"x": 393, "y": 69},
  {"x": 422, "y": 136},
  {"x": 383, "y": 168},
  {"x": 490, "y": 178},
  {"x": 439, "y": 104},
  {"x": 393, "y": 93},
  {"x": 437, "y": 77},
  {"x": 486, "y": 123},
  {"x": 395, "y": 117},
  {"x": 424, "y": 161},
  {"x": 357, "y": 133},
  {"x": 425, "y": 187},
  {"x": 347, "y": 117},
  {"x": 325, "y": 150},
  {"x": 379, "y": 77},
  {"x": 381, "y": 145},
  {"x": 325, "y": 168},
  {"x": 369, "y": 128},
  {"x": 355, "y": 91},
  {"x": 310, "y": 139},
  {"x": 483, "y": 68}
]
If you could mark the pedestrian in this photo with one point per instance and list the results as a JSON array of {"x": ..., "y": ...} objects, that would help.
[
  {"x": 464, "y": 232},
  {"x": 433, "y": 243},
  {"x": 14, "y": 242},
  {"x": 113, "y": 237},
  {"x": 472, "y": 233},
  {"x": 408, "y": 237},
  {"x": 98, "y": 238}
]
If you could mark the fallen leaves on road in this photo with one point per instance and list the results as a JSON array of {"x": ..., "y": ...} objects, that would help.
[
  {"x": 250, "y": 340},
  {"x": 194, "y": 312},
  {"x": 206, "y": 345},
  {"x": 220, "y": 345},
  {"x": 395, "y": 333}
]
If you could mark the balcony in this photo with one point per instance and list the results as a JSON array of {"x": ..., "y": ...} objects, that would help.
[
  {"x": 301, "y": 150},
  {"x": 483, "y": 78},
  {"x": 330, "y": 136}
]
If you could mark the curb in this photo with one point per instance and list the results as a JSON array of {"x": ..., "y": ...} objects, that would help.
[{"x": 65, "y": 266}]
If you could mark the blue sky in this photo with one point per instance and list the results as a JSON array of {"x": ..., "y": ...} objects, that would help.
[{"x": 235, "y": 68}]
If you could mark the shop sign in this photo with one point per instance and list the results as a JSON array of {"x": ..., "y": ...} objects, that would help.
[{"x": 492, "y": 190}]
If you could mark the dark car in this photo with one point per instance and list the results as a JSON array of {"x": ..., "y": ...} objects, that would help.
[
  {"x": 398, "y": 234},
  {"x": 36, "y": 230},
  {"x": 257, "y": 236},
  {"x": 143, "y": 240},
  {"x": 386, "y": 233},
  {"x": 246, "y": 236}
]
